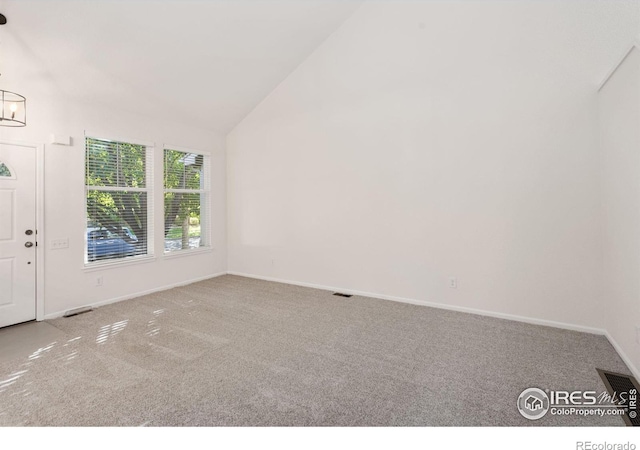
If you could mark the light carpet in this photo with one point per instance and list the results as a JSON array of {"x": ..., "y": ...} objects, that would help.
[{"x": 236, "y": 351}]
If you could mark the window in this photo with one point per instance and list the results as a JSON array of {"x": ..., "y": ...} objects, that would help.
[
  {"x": 186, "y": 200},
  {"x": 119, "y": 181},
  {"x": 4, "y": 171}
]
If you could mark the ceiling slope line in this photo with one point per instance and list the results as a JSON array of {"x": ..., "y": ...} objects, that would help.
[{"x": 275, "y": 88}]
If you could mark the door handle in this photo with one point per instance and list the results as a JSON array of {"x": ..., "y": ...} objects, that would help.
[{"x": 28, "y": 244}]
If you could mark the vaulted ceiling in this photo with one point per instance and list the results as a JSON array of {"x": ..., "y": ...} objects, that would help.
[
  {"x": 206, "y": 62},
  {"x": 210, "y": 62}
]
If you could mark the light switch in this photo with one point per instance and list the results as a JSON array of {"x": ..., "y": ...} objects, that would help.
[{"x": 57, "y": 244}]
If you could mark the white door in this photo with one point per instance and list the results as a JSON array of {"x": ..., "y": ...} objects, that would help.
[{"x": 17, "y": 234}]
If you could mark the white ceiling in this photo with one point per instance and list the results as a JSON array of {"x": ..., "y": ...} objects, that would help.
[{"x": 205, "y": 62}]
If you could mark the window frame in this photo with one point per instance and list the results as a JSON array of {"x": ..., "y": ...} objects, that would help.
[
  {"x": 149, "y": 189},
  {"x": 206, "y": 171}
]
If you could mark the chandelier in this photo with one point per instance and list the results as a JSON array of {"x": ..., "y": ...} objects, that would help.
[{"x": 13, "y": 107}]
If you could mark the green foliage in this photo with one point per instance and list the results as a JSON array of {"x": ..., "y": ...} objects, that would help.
[
  {"x": 176, "y": 232},
  {"x": 123, "y": 165},
  {"x": 117, "y": 164},
  {"x": 181, "y": 171},
  {"x": 114, "y": 210}
]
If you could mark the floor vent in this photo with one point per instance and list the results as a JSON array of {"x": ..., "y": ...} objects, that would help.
[
  {"x": 75, "y": 312},
  {"x": 340, "y": 294},
  {"x": 626, "y": 388}
]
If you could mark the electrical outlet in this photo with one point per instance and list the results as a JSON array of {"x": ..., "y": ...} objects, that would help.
[
  {"x": 99, "y": 281},
  {"x": 453, "y": 282},
  {"x": 57, "y": 244}
]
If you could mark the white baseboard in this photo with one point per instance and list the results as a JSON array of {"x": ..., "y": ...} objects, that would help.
[
  {"x": 481, "y": 312},
  {"x": 58, "y": 314},
  {"x": 464, "y": 309},
  {"x": 634, "y": 370}
]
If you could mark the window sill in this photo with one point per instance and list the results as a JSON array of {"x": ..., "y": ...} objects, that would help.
[
  {"x": 193, "y": 251},
  {"x": 114, "y": 264}
]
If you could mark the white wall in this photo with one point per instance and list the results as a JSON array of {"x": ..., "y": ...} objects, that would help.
[
  {"x": 425, "y": 140},
  {"x": 67, "y": 284},
  {"x": 619, "y": 110}
]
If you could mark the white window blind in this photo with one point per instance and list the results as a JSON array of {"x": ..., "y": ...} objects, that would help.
[
  {"x": 119, "y": 200},
  {"x": 186, "y": 200}
]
